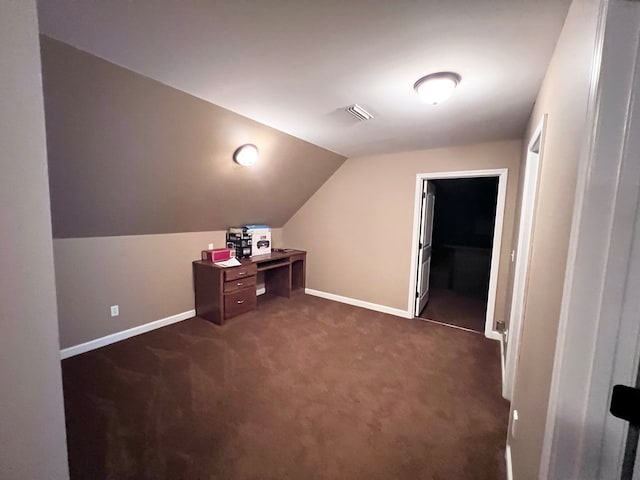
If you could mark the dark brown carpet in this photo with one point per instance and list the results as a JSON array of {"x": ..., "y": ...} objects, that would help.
[
  {"x": 455, "y": 308},
  {"x": 304, "y": 388}
]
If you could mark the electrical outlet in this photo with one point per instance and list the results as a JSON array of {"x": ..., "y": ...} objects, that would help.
[
  {"x": 211, "y": 246},
  {"x": 115, "y": 310}
]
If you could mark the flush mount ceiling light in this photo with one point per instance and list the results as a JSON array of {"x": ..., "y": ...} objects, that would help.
[
  {"x": 246, "y": 155},
  {"x": 437, "y": 87}
]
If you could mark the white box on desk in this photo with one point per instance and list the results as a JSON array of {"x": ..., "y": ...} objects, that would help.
[{"x": 261, "y": 239}]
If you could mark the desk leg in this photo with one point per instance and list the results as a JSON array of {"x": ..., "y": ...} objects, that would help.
[
  {"x": 298, "y": 276},
  {"x": 278, "y": 281}
]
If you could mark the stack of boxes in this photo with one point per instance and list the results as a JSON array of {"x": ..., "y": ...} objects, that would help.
[{"x": 249, "y": 240}]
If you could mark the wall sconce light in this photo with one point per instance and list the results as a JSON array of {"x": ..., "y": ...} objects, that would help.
[
  {"x": 246, "y": 155},
  {"x": 437, "y": 87}
]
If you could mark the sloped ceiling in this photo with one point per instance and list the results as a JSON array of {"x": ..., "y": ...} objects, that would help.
[
  {"x": 295, "y": 65},
  {"x": 131, "y": 156}
]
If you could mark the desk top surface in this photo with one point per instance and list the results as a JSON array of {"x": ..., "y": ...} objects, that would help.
[
  {"x": 279, "y": 254},
  {"x": 274, "y": 255}
]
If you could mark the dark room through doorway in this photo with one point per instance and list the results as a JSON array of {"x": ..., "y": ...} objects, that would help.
[{"x": 463, "y": 221}]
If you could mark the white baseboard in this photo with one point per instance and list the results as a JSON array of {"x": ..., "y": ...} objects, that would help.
[
  {"x": 123, "y": 335},
  {"x": 493, "y": 335},
  {"x": 507, "y": 458},
  {"x": 359, "y": 303}
]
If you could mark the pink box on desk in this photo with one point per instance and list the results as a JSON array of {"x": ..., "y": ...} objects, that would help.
[{"x": 216, "y": 255}]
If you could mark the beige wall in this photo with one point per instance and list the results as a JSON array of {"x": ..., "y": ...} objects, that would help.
[
  {"x": 564, "y": 95},
  {"x": 357, "y": 227},
  {"x": 147, "y": 276},
  {"x": 32, "y": 430}
]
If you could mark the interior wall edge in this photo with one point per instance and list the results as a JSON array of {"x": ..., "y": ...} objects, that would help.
[
  {"x": 32, "y": 417},
  {"x": 564, "y": 96}
]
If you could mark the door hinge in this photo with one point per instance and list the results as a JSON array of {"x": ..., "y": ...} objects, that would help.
[
  {"x": 424, "y": 194},
  {"x": 500, "y": 326},
  {"x": 417, "y": 294},
  {"x": 420, "y": 246}
]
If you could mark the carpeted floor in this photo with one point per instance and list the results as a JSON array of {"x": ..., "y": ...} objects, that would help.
[
  {"x": 304, "y": 388},
  {"x": 455, "y": 308}
]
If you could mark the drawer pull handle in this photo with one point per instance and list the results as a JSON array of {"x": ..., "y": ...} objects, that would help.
[
  {"x": 240, "y": 302},
  {"x": 239, "y": 284},
  {"x": 242, "y": 273}
]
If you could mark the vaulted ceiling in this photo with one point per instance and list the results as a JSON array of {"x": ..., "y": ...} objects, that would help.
[{"x": 294, "y": 66}]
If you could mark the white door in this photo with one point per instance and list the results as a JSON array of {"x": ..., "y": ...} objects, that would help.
[
  {"x": 424, "y": 245},
  {"x": 522, "y": 254}
]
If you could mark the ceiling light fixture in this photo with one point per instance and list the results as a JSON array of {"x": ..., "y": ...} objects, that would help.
[
  {"x": 246, "y": 155},
  {"x": 437, "y": 87}
]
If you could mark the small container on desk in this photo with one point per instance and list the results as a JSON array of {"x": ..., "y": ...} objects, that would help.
[{"x": 216, "y": 255}]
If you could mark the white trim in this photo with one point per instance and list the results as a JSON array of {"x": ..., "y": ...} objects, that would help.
[
  {"x": 360, "y": 303},
  {"x": 523, "y": 254},
  {"x": 502, "y": 174},
  {"x": 261, "y": 290},
  {"x": 489, "y": 326},
  {"x": 509, "y": 464},
  {"x": 503, "y": 366},
  {"x": 492, "y": 335},
  {"x": 123, "y": 335}
]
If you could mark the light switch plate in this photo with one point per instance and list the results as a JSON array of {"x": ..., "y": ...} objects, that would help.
[{"x": 115, "y": 310}]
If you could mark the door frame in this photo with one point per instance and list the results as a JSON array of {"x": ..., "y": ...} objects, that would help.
[
  {"x": 502, "y": 175},
  {"x": 598, "y": 326},
  {"x": 522, "y": 254}
]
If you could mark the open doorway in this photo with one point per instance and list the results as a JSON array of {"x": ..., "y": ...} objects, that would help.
[
  {"x": 457, "y": 236},
  {"x": 463, "y": 222}
]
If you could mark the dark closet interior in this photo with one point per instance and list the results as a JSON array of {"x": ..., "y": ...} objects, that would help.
[{"x": 463, "y": 224}]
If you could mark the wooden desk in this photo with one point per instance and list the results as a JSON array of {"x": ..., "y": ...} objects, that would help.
[{"x": 222, "y": 293}]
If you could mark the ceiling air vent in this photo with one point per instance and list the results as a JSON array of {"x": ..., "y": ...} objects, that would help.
[{"x": 359, "y": 112}]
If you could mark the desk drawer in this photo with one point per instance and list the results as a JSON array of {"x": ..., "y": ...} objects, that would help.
[
  {"x": 240, "y": 272},
  {"x": 239, "y": 284},
  {"x": 240, "y": 302}
]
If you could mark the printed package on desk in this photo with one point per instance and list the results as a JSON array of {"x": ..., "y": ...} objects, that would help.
[
  {"x": 216, "y": 255},
  {"x": 260, "y": 238},
  {"x": 239, "y": 240}
]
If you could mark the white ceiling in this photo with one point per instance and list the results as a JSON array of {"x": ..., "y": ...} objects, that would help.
[{"x": 295, "y": 64}]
